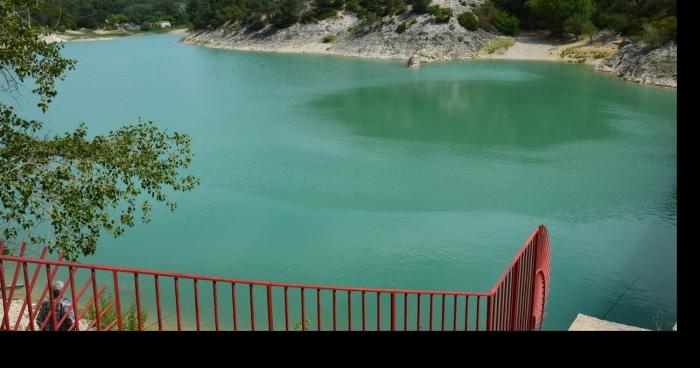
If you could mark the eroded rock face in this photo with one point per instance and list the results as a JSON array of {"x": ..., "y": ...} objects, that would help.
[
  {"x": 638, "y": 63},
  {"x": 422, "y": 37}
]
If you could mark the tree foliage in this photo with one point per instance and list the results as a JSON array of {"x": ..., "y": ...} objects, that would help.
[
  {"x": 66, "y": 190},
  {"x": 555, "y": 14}
]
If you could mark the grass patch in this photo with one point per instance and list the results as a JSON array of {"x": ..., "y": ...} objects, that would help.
[
  {"x": 500, "y": 43},
  {"x": 582, "y": 54}
]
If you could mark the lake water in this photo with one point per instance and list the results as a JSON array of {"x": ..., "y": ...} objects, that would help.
[{"x": 342, "y": 171}]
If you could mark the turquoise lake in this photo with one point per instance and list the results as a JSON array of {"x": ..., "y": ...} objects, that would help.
[{"x": 343, "y": 171}]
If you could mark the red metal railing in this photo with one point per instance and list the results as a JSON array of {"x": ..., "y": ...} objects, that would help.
[{"x": 516, "y": 301}]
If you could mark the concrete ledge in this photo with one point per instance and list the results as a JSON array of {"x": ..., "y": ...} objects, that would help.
[{"x": 588, "y": 323}]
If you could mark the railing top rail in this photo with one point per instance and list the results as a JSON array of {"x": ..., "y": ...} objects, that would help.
[{"x": 234, "y": 280}]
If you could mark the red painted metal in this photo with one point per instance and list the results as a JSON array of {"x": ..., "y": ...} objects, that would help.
[
  {"x": 405, "y": 312},
  {"x": 115, "y": 281},
  {"x": 454, "y": 313},
  {"x": 233, "y": 306},
  {"x": 5, "y": 305},
  {"x": 318, "y": 310},
  {"x": 27, "y": 296},
  {"x": 418, "y": 314},
  {"x": 393, "y": 312},
  {"x": 95, "y": 298},
  {"x": 334, "y": 309},
  {"x": 286, "y": 308},
  {"x": 158, "y": 309},
  {"x": 515, "y": 302},
  {"x": 442, "y": 314},
  {"x": 349, "y": 311},
  {"x": 30, "y": 287},
  {"x": 177, "y": 303},
  {"x": 303, "y": 311},
  {"x": 252, "y": 308},
  {"x": 363, "y": 311},
  {"x": 138, "y": 302},
  {"x": 270, "y": 318},
  {"x": 379, "y": 311},
  {"x": 216, "y": 306},
  {"x": 196, "y": 303},
  {"x": 431, "y": 312},
  {"x": 74, "y": 300},
  {"x": 466, "y": 313}
]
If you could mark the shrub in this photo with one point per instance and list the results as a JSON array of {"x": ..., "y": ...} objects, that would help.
[
  {"x": 492, "y": 19},
  {"x": 309, "y": 17},
  {"x": 469, "y": 21},
  {"x": 146, "y": 26},
  {"x": 327, "y": 13},
  {"x": 653, "y": 36},
  {"x": 400, "y": 9},
  {"x": 506, "y": 23},
  {"x": 129, "y": 317},
  {"x": 442, "y": 15},
  {"x": 329, "y": 39},
  {"x": 401, "y": 28},
  {"x": 420, "y": 6}
]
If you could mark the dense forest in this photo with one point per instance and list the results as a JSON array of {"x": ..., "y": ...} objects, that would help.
[
  {"x": 74, "y": 14},
  {"x": 653, "y": 20}
]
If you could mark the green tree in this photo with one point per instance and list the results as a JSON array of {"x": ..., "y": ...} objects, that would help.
[
  {"x": 554, "y": 14},
  {"x": 420, "y": 6},
  {"x": 80, "y": 187}
]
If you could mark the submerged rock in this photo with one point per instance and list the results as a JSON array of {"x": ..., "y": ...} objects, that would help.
[{"x": 413, "y": 62}]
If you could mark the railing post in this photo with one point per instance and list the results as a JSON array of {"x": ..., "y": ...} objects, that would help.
[
  {"x": 393, "y": 312},
  {"x": 158, "y": 309},
  {"x": 270, "y": 318},
  {"x": 5, "y": 325},
  {"x": 196, "y": 303},
  {"x": 489, "y": 312},
  {"x": 514, "y": 295},
  {"x": 71, "y": 279},
  {"x": 138, "y": 302},
  {"x": 28, "y": 296},
  {"x": 115, "y": 280},
  {"x": 216, "y": 306}
]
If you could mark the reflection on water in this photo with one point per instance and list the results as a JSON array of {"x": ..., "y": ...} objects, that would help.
[{"x": 472, "y": 112}]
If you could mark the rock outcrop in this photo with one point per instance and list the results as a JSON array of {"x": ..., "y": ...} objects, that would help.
[
  {"x": 420, "y": 37},
  {"x": 639, "y": 63}
]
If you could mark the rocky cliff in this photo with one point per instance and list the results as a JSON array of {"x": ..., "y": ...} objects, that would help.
[
  {"x": 639, "y": 63},
  {"x": 420, "y": 37}
]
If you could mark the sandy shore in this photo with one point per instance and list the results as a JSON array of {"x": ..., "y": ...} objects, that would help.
[
  {"x": 100, "y": 35},
  {"x": 540, "y": 48}
]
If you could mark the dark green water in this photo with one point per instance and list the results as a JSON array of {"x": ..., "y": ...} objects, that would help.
[{"x": 356, "y": 172}]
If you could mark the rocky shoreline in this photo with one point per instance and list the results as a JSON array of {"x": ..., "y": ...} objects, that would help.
[
  {"x": 423, "y": 39},
  {"x": 639, "y": 63}
]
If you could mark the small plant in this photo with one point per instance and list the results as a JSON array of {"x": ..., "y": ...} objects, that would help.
[
  {"x": 129, "y": 317},
  {"x": 442, "y": 15},
  {"x": 329, "y": 39},
  {"x": 307, "y": 325},
  {"x": 451, "y": 27},
  {"x": 401, "y": 28},
  {"x": 469, "y": 21}
]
